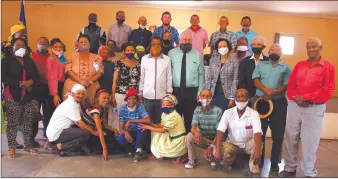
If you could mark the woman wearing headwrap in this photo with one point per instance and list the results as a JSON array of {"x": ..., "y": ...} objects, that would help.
[
  {"x": 84, "y": 68},
  {"x": 168, "y": 138},
  {"x": 19, "y": 75},
  {"x": 60, "y": 134}
]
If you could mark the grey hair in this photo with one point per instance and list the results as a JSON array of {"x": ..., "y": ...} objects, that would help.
[
  {"x": 186, "y": 32},
  {"x": 276, "y": 44},
  {"x": 315, "y": 39},
  {"x": 260, "y": 38}
]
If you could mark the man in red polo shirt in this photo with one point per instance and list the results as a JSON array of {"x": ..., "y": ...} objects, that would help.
[{"x": 310, "y": 86}]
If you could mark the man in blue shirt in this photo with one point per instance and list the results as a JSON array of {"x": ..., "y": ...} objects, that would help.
[
  {"x": 165, "y": 27},
  {"x": 188, "y": 77},
  {"x": 246, "y": 31},
  {"x": 271, "y": 78}
]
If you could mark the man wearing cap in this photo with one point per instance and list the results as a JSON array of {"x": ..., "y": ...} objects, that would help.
[
  {"x": 96, "y": 33},
  {"x": 130, "y": 115},
  {"x": 141, "y": 36},
  {"x": 271, "y": 79},
  {"x": 65, "y": 138},
  {"x": 188, "y": 77},
  {"x": 244, "y": 134},
  {"x": 119, "y": 32}
]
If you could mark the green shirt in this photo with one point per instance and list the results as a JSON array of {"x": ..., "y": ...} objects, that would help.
[
  {"x": 272, "y": 77},
  {"x": 207, "y": 122},
  {"x": 194, "y": 68}
]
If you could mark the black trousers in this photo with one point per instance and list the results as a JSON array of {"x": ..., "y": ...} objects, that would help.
[
  {"x": 94, "y": 142},
  {"x": 277, "y": 122},
  {"x": 187, "y": 103},
  {"x": 72, "y": 139}
]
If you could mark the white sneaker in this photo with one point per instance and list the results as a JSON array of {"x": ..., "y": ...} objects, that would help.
[
  {"x": 190, "y": 164},
  {"x": 214, "y": 164}
]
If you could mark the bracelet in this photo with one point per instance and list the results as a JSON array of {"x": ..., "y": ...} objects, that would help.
[{"x": 90, "y": 82}]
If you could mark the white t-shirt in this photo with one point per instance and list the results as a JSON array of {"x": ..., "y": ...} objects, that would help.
[
  {"x": 241, "y": 130},
  {"x": 63, "y": 117}
]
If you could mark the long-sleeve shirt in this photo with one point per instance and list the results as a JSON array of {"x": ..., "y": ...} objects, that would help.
[
  {"x": 55, "y": 72},
  {"x": 156, "y": 78},
  {"x": 140, "y": 37},
  {"x": 315, "y": 83},
  {"x": 194, "y": 68},
  {"x": 119, "y": 33},
  {"x": 158, "y": 32},
  {"x": 40, "y": 62}
]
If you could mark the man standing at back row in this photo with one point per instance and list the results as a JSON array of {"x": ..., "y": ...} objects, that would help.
[
  {"x": 141, "y": 36},
  {"x": 119, "y": 32},
  {"x": 96, "y": 34},
  {"x": 165, "y": 27},
  {"x": 246, "y": 31},
  {"x": 199, "y": 35}
]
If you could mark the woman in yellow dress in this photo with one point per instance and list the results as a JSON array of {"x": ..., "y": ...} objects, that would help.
[{"x": 168, "y": 138}]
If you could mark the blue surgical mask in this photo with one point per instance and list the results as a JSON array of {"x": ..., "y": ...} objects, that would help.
[
  {"x": 167, "y": 110},
  {"x": 62, "y": 59}
]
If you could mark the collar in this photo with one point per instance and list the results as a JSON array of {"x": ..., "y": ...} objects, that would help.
[
  {"x": 245, "y": 114},
  {"x": 249, "y": 32},
  {"x": 169, "y": 29},
  {"x": 260, "y": 57},
  {"x": 226, "y": 31},
  {"x": 195, "y": 30},
  {"x": 150, "y": 56},
  {"x": 246, "y": 55},
  {"x": 320, "y": 62},
  {"x": 38, "y": 53}
]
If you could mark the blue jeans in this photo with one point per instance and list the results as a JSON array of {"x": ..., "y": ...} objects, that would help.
[{"x": 137, "y": 136}]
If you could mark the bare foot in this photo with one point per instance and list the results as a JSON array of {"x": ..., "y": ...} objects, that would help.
[{"x": 11, "y": 153}]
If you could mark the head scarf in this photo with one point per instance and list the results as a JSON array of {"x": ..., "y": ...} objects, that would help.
[
  {"x": 101, "y": 49},
  {"x": 77, "y": 87},
  {"x": 15, "y": 29},
  {"x": 171, "y": 98}
]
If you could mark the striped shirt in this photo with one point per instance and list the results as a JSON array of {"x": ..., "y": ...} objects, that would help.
[
  {"x": 207, "y": 122},
  {"x": 88, "y": 116},
  {"x": 230, "y": 36},
  {"x": 138, "y": 113}
]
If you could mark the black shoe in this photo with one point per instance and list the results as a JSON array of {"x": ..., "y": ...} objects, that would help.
[
  {"x": 285, "y": 174},
  {"x": 18, "y": 146},
  {"x": 274, "y": 167},
  {"x": 137, "y": 157}
]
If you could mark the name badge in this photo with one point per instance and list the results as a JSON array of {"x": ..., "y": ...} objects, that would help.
[
  {"x": 248, "y": 127},
  {"x": 96, "y": 66}
]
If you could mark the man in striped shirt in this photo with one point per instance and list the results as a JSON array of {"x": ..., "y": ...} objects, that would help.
[{"x": 203, "y": 128}]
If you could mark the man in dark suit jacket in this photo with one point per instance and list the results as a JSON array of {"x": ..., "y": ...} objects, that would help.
[{"x": 248, "y": 65}]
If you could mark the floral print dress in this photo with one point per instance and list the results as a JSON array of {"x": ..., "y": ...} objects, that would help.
[{"x": 129, "y": 77}]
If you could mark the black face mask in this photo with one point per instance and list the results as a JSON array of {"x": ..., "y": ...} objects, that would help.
[
  {"x": 93, "y": 24},
  {"x": 166, "y": 42},
  {"x": 185, "y": 47},
  {"x": 257, "y": 51},
  {"x": 274, "y": 57},
  {"x": 120, "y": 21}
]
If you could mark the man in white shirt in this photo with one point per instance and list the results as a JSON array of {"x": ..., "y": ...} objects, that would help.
[
  {"x": 244, "y": 133},
  {"x": 60, "y": 133},
  {"x": 156, "y": 79}
]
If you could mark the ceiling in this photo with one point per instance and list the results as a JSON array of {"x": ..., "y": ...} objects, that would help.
[{"x": 325, "y": 9}]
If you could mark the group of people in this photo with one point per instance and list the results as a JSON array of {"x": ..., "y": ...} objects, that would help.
[{"x": 167, "y": 103}]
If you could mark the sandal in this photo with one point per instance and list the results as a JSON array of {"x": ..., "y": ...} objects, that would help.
[
  {"x": 48, "y": 146},
  {"x": 152, "y": 157},
  {"x": 11, "y": 153},
  {"x": 31, "y": 150},
  {"x": 179, "y": 161}
]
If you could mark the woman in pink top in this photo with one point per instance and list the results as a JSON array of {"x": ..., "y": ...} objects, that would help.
[
  {"x": 55, "y": 74},
  {"x": 84, "y": 68}
]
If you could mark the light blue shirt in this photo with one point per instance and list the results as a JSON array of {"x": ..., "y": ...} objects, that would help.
[
  {"x": 272, "y": 77},
  {"x": 250, "y": 35},
  {"x": 194, "y": 68}
]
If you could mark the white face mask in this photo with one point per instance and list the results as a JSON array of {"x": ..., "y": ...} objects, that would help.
[
  {"x": 42, "y": 48},
  {"x": 242, "y": 48},
  {"x": 205, "y": 102},
  {"x": 143, "y": 26},
  {"x": 132, "y": 109},
  {"x": 56, "y": 53},
  {"x": 241, "y": 105},
  {"x": 223, "y": 50},
  {"x": 20, "y": 52}
]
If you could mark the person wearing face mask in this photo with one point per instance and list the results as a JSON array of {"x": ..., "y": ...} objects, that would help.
[
  {"x": 96, "y": 33},
  {"x": 19, "y": 75},
  {"x": 168, "y": 138},
  {"x": 223, "y": 75},
  {"x": 84, "y": 68},
  {"x": 248, "y": 65},
  {"x": 188, "y": 76},
  {"x": 203, "y": 128},
  {"x": 141, "y": 36},
  {"x": 244, "y": 134},
  {"x": 271, "y": 80},
  {"x": 224, "y": 33},
  {"x": 246, "y": 31},
  {"x": 165, "y": 27},
  {"x": 126, "y": 75},
  {"x": 40, "y": 58},
  {"x": 241, "y": 50},
  {"x": 16, "y": 31},
  {"x": 119, "y": 32},
  {"x": 167, "y": 46},
  {"x": 131, "y": 115}
]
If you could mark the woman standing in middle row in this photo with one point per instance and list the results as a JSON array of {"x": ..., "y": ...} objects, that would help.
[{"x": 222, "y": 79}]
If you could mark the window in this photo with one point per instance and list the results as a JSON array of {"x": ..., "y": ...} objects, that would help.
[{"x": 287, "y": 43}]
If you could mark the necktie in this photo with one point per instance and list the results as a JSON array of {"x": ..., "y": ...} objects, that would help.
[{"x": 183, "y": 71}]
